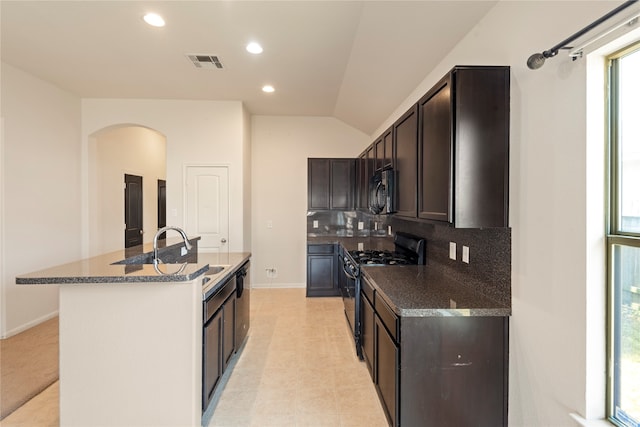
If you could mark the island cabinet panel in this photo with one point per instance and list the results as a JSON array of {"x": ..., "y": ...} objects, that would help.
[
  {"x": 212, "y": 361},
  {"x": 387, "y": 369},
  {"x": 229, "y": 327},
  {"x": 322, "y": 270},
  {"x": 405, "y": 135},
  {"x": 464, "y": 148},
  {"x": 331, "y": 184}
]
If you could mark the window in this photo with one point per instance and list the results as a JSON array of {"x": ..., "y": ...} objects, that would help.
[{"x": 623, "y": 239}]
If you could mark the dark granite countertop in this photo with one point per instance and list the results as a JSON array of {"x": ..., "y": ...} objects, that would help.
[
  {"x": 420, "y": 291},
  {"x": 104, "y": 268}
]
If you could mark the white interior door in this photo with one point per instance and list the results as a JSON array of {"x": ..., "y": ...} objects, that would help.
[{"x": 207, "y": 207}]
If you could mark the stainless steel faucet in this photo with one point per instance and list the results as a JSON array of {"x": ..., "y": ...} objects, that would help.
[{"x": 187, "y": 245}]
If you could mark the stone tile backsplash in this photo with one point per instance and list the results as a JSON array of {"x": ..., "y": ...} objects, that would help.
[
  {"x": 489, "y": 268},
  {"x": 346, "y": 224}
]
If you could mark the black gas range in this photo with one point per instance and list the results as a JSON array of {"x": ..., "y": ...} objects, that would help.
[{"x": 408, "y": 250}]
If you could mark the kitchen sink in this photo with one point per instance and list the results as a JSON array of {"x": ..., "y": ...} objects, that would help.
[{"x": 215, "y": 269}]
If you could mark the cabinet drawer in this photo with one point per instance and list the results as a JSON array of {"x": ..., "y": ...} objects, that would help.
[
  {"x": 214, "y": 302},
  {"x": 367, "y": 289},
  {"x": 388, "y": 317},
  {"x": 320, "y": 249}
]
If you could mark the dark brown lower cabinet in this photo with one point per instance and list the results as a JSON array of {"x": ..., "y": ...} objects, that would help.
[
  {"x": 437, "y": 371},
  {"x": 229, "y": 330},
  {"x": 367, "y": 323},
  {"x": 322, "y": 270}
]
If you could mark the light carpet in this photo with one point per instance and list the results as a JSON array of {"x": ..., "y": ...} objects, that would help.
[{"x": 28, "y": 365}]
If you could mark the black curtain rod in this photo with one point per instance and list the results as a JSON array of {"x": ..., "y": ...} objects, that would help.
[{"x": 536, "y": 60}]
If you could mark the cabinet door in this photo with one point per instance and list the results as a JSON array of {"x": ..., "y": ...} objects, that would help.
[
  {"x": 211, "y": 367},
  {"x": 388, "y": 160},
  {"x": 319, "y": 177},
  {"x": 405, "y": 132},
  {"x": 367, "y": 322},
  {"x": 228, "y": 330},
  {"x": 363, "y": 182},
  {"x": 322, "y": 271},
  {"x": 342, "y": 177},
  {"x": 386, "y": 372},
  {"x": 379, "y": 152},
  {"x": 435, "y": 184}
]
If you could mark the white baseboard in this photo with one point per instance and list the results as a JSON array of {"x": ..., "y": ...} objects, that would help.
[
  {"x": 30, "y": 324},
  {"x": 278, "y": 285}
]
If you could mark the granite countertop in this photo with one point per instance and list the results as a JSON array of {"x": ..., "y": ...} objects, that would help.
[
  {"x": 102, "y": 268},
  {"x": 420, "y": 291}
]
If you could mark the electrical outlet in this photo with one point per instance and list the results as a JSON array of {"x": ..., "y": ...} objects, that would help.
[
  {"x": 272, "y": 272},
  {"x": 360, "y": 225},
  {"x": 452, "y": 250},
  {"x": 174, "y": 212},
  {"x": 452, "y": 304},
  {"x": 465, "y": 254},
  {"x": 361, "y": 246},
  {"x": 315, "y": 223}
]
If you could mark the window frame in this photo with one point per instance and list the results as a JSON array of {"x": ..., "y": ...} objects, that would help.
[{"x": 614, "y": 235}]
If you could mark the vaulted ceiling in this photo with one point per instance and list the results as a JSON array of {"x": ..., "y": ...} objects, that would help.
[{"x": 353, "y": 60}]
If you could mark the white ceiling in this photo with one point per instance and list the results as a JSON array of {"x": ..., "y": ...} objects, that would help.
[{"x": 354, "y": 60}]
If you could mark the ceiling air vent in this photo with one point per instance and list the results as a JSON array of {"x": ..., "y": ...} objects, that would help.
[{"x": 205, "y": 61}]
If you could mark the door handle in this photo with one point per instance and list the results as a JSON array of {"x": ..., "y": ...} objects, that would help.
[
  {"x": 141, "y": 231},
  {"x": 223, "y": 240}
]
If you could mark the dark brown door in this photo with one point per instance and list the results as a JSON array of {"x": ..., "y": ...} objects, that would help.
[
  {"x": 132, "y": 210},
  {"x": 406, "y": 137},
  {"x": 435, "y": 184},
  {"x": 342, "y": 182},
  {"x": 162, "y": 206},
  {"x": 319, "y": 177}
]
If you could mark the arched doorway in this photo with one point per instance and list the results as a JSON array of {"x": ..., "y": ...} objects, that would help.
[{"x": 116, "y": 151}]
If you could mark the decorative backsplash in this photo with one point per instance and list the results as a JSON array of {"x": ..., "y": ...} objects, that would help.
[
  {"x": 489, "y": 267},
  {"x": 346, "y": 224}
]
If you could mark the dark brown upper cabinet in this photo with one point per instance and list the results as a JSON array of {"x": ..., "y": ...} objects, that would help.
[
  {"x": 405, "y": 136},
  {"x": 331, "y": 184},
  {"x": 464, "y": 149},
  {"x": 362, "y": 183},
  {"x": 384, "y": 150}
]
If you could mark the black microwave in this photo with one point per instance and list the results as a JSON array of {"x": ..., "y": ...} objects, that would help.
[{"x": 381, "y": 192}]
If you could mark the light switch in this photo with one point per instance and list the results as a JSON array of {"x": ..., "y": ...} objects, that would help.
[
  {"x": 452, "y": 304},
  {"x": 465, "y": 254},
  {"x": 389, "y": 230},
  {"x": 315, "y": 223},
  {"x": 269, "y": 224},
  {"x": 452, "y": 250},
  {"x": 174, "y": 212}
]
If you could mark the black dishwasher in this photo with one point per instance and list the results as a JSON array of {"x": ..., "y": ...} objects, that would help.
[{"x": 243, "y": 294}]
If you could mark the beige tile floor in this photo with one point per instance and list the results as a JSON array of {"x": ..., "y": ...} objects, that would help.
[{"x": 298, "y": 368}]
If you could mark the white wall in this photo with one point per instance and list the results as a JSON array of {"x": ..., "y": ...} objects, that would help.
[
  {"x": 280, "y": 148},
  {"x": 197, "y": 133},
  {"x": 40, "y": 190},
  {"x": 123, "y": 150},
  {"x": 550, "y": 346}
]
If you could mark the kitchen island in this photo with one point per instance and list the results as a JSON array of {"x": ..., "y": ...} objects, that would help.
[{"x": 131, "y": 335}]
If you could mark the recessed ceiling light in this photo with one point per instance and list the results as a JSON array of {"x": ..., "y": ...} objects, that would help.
[
  {"x": 268, "y": 89},
  {"x": 254, "y": 48},
  {"x": 154, "y": 20}
]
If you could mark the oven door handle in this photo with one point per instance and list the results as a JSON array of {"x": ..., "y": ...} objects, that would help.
[{"x": 349, "y": 274}]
